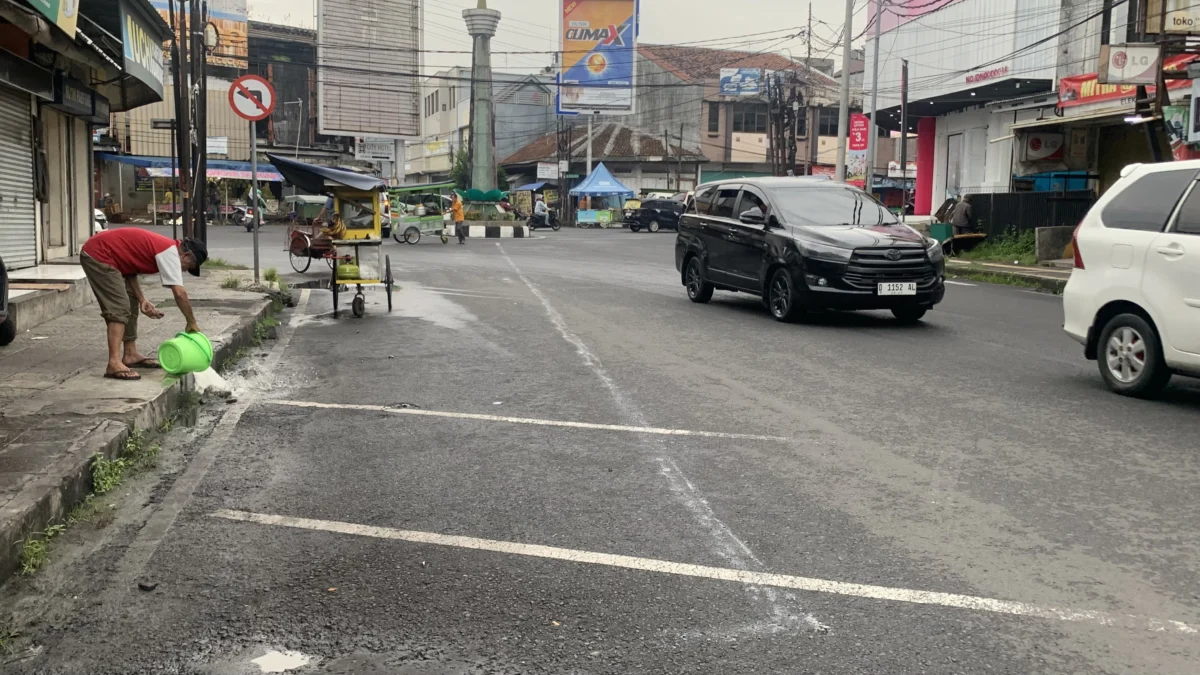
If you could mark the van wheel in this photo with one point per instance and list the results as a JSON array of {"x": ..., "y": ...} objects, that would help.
[
  {"x": 782, "y": 299},
  {"x": 653, "y": 226},
  {"x": 698, "y": 288},
  {"x": 1130, "y": 358}
]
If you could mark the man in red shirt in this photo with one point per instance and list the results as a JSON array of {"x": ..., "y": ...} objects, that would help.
[{"x": 112, "y": 261}]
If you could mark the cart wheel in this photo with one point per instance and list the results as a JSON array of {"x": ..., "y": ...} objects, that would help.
[
  {"x": 387, "y": 278},
  {"x": 412, "y": 235},
  {"x": 301, "y": 263},
  {"x": 359, "y": 306},
  {"x": 333, "y": 285}
]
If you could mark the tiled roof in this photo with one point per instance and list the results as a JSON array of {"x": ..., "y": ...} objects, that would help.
[
  {"x": 610, "y": 141},
  {"x": 700, "y": 63}
]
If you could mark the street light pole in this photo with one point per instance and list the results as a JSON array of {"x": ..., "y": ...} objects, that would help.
[{"x": 844, "y": 107}]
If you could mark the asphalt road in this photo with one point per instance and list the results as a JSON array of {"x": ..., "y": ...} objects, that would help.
[{"x": 547, "y": 460}]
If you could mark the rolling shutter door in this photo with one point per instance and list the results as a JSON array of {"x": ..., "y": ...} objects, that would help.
[{"x": 18, "y": 230}]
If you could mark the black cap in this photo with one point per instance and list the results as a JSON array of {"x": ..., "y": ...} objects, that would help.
[{"x": 198, "y": 250}]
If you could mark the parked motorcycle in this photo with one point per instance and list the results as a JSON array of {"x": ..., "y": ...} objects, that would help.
[{"x": 551, "y": 221}]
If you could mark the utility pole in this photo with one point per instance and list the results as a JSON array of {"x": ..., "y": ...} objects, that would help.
[
  {"x": 809, "y": 133},
  {"x": 183, "y": 117},
  {"x": 844, "y": 110},
  {"x": 904, "y": 129},
  {"x": 589, "y": 146},
  {"x": 667, "y": 157},
  {"x": 679, "y": 166},
  {"x": 872, "y": 139},
  {"x": 794, "y": 107},
  {"x": 199, "y": 77}
]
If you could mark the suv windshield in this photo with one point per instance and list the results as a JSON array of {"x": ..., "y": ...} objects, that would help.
[{"x": 828, "y": 206}]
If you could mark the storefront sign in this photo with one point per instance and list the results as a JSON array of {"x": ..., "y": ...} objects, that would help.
[
  {"x": 62, "y": 13},
  {"x": 741, "y": 81},
  {"x": 985, "y": 75},
  {"x": 143, "y": 49},
  {"x": 1128, "y": 64},
  {"x": 72, "y": 96},
  {"x": 547, "y": 171},
  {"x": 100, "y": 111},
  {"x": 1079, "y": 144},
  {"x": 1084, "y": 89},
  {"x": 217, "y": 145},
  {"x": 1042, "y": 147},
  {"x": 375, "y": 149},
  {"x": 1180, "y": 16}
]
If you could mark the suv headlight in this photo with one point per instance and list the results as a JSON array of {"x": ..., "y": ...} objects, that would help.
[{"x": 934, "y": 250}]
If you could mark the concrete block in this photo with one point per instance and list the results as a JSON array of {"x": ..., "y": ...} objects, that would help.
[
  {"x": 1052, "y": 241},
  {"x": 33, "y": 309}
]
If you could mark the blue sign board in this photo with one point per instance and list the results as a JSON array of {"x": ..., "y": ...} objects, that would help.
[{"x": 741, "y": 81}]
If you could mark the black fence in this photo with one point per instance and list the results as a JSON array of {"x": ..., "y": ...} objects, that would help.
[{"x": 1002, "y": 212}]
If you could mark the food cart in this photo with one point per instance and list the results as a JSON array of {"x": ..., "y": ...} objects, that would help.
[
  {"x": 420, "y": 210},
  {"x": 352, "y": 239},
  {"x": 600, "y": 184}
]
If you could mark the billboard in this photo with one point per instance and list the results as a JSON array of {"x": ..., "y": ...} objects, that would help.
[
  {"x": 229, "y": 18},
  {"x": 741, "y": 82},
  {"x": 368, "y": 68},
  {"x": 1129, "y": 64},
  {"x": 599, "y": 60}
]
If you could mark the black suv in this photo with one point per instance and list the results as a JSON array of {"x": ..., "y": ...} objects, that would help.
[
  {"x": 805, "y": 243},
  {"x": 8, "y": 329},
  {"x": 657, "y": 213}
]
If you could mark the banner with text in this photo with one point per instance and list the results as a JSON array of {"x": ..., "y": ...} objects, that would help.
[{"x": 599, "y": 44}]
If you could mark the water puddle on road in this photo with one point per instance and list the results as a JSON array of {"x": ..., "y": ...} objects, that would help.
[
  {"x": 281, "y": 662},
  {"x": 410, "y": 300}
]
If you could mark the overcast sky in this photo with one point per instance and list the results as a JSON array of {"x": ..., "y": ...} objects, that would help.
[{"x": 526, "y": 25}]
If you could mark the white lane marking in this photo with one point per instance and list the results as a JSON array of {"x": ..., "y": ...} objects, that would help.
[
  {"x": 886, "y": 593},
  {"x": 529, "y": 420},
  {"x": 138, "y": 555},
  {"x": 728, "y": 544},
  {"x": 959, "y": 283}
]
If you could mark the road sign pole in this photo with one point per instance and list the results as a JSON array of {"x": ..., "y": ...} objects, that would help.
[{"x": 257, "y": 199}]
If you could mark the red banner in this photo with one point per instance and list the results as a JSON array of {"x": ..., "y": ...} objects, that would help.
[{"x": 1084, "y": 89}]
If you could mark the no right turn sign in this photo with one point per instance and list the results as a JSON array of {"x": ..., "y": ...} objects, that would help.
[{"x": 252, "y": 97}]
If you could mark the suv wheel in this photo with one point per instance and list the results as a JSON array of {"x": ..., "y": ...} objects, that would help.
[
  {"x": 1130, "y": 357},
  {"x": 782, "y": 299},
  {"x": 909, "y": 315},
  {"x": 698, "y": 288},
  {"x": 8, "y": 331},
  {"x": 653, "y": 226},
  {"x": 634, "y": 228}
]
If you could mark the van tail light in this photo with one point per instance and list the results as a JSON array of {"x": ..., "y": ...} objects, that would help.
[{"x": 1075, "y": 247}]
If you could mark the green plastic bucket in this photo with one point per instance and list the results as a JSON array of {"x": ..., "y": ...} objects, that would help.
[{"x": 186, "y": 353}]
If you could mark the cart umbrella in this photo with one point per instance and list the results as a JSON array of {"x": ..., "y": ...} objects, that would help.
[
  {"x": 600, "y": 183},
  {"x": 313, "y": 178}
]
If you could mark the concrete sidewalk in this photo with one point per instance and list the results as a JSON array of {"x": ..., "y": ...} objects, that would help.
[
  {"x": 57, "y": 411},
  {"x": 1051, "y": 279}
]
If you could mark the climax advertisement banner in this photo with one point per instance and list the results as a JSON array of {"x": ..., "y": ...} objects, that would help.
[
  {"x": 1084, "y": 89},
  {"x": 62, "y": 13},
  {"x": 599, "y": 44}
]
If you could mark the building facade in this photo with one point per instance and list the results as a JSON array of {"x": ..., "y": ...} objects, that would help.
[{"x": 53, "y": 93}]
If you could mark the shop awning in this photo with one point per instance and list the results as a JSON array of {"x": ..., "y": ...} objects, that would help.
[
  {"x": 1068, "y": 119},
  {"x": 532, "y": 187},
  {"x": 217, "y": 168},
  {"x": 600, "y": 183}
]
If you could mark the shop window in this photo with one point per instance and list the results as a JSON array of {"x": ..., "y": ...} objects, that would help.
[
  {"x": 750, "y": 118},
  {"x": 714, "y": 117},
  {"x": 1148, "y": 202},
  {"x": 827, "y": 122}
]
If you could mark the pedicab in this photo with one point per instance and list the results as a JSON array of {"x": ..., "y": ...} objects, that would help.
[
  {"x": 422, "y": 211},
  {"x": 351, "y": 239}
]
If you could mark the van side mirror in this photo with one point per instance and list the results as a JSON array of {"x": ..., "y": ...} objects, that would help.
[{"x": 753, "y": 217}]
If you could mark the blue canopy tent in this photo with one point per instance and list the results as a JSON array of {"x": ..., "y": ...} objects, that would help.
[{"x": 600, "y": 183}]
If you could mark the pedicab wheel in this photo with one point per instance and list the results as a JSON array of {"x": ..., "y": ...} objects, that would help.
[
  {"x": 359, "y": 305},
  {"x": 412, "y": 235},
  {"x": 301, "y": 263},
  {"x": 445, "y": 239},
  {"x": 387, "y": 278},
  {"x": 333, "y": 285}
]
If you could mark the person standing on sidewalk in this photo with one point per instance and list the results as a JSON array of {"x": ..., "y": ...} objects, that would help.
[
  {"x": 456, "y": 209},
  {"x": 962, "y": 218},
  {"x": 112, "y": 261}
]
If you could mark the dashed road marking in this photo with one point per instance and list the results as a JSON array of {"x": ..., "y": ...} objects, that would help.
[
  {"x": 528, "y": 420},
  {"x": 766, "y": 579}
]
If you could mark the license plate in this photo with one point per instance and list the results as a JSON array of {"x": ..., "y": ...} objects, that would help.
[{"x": 905, "y": 288}]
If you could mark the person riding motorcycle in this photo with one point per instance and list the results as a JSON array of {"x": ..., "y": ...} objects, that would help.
[{"x": 541, "y": 212}]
